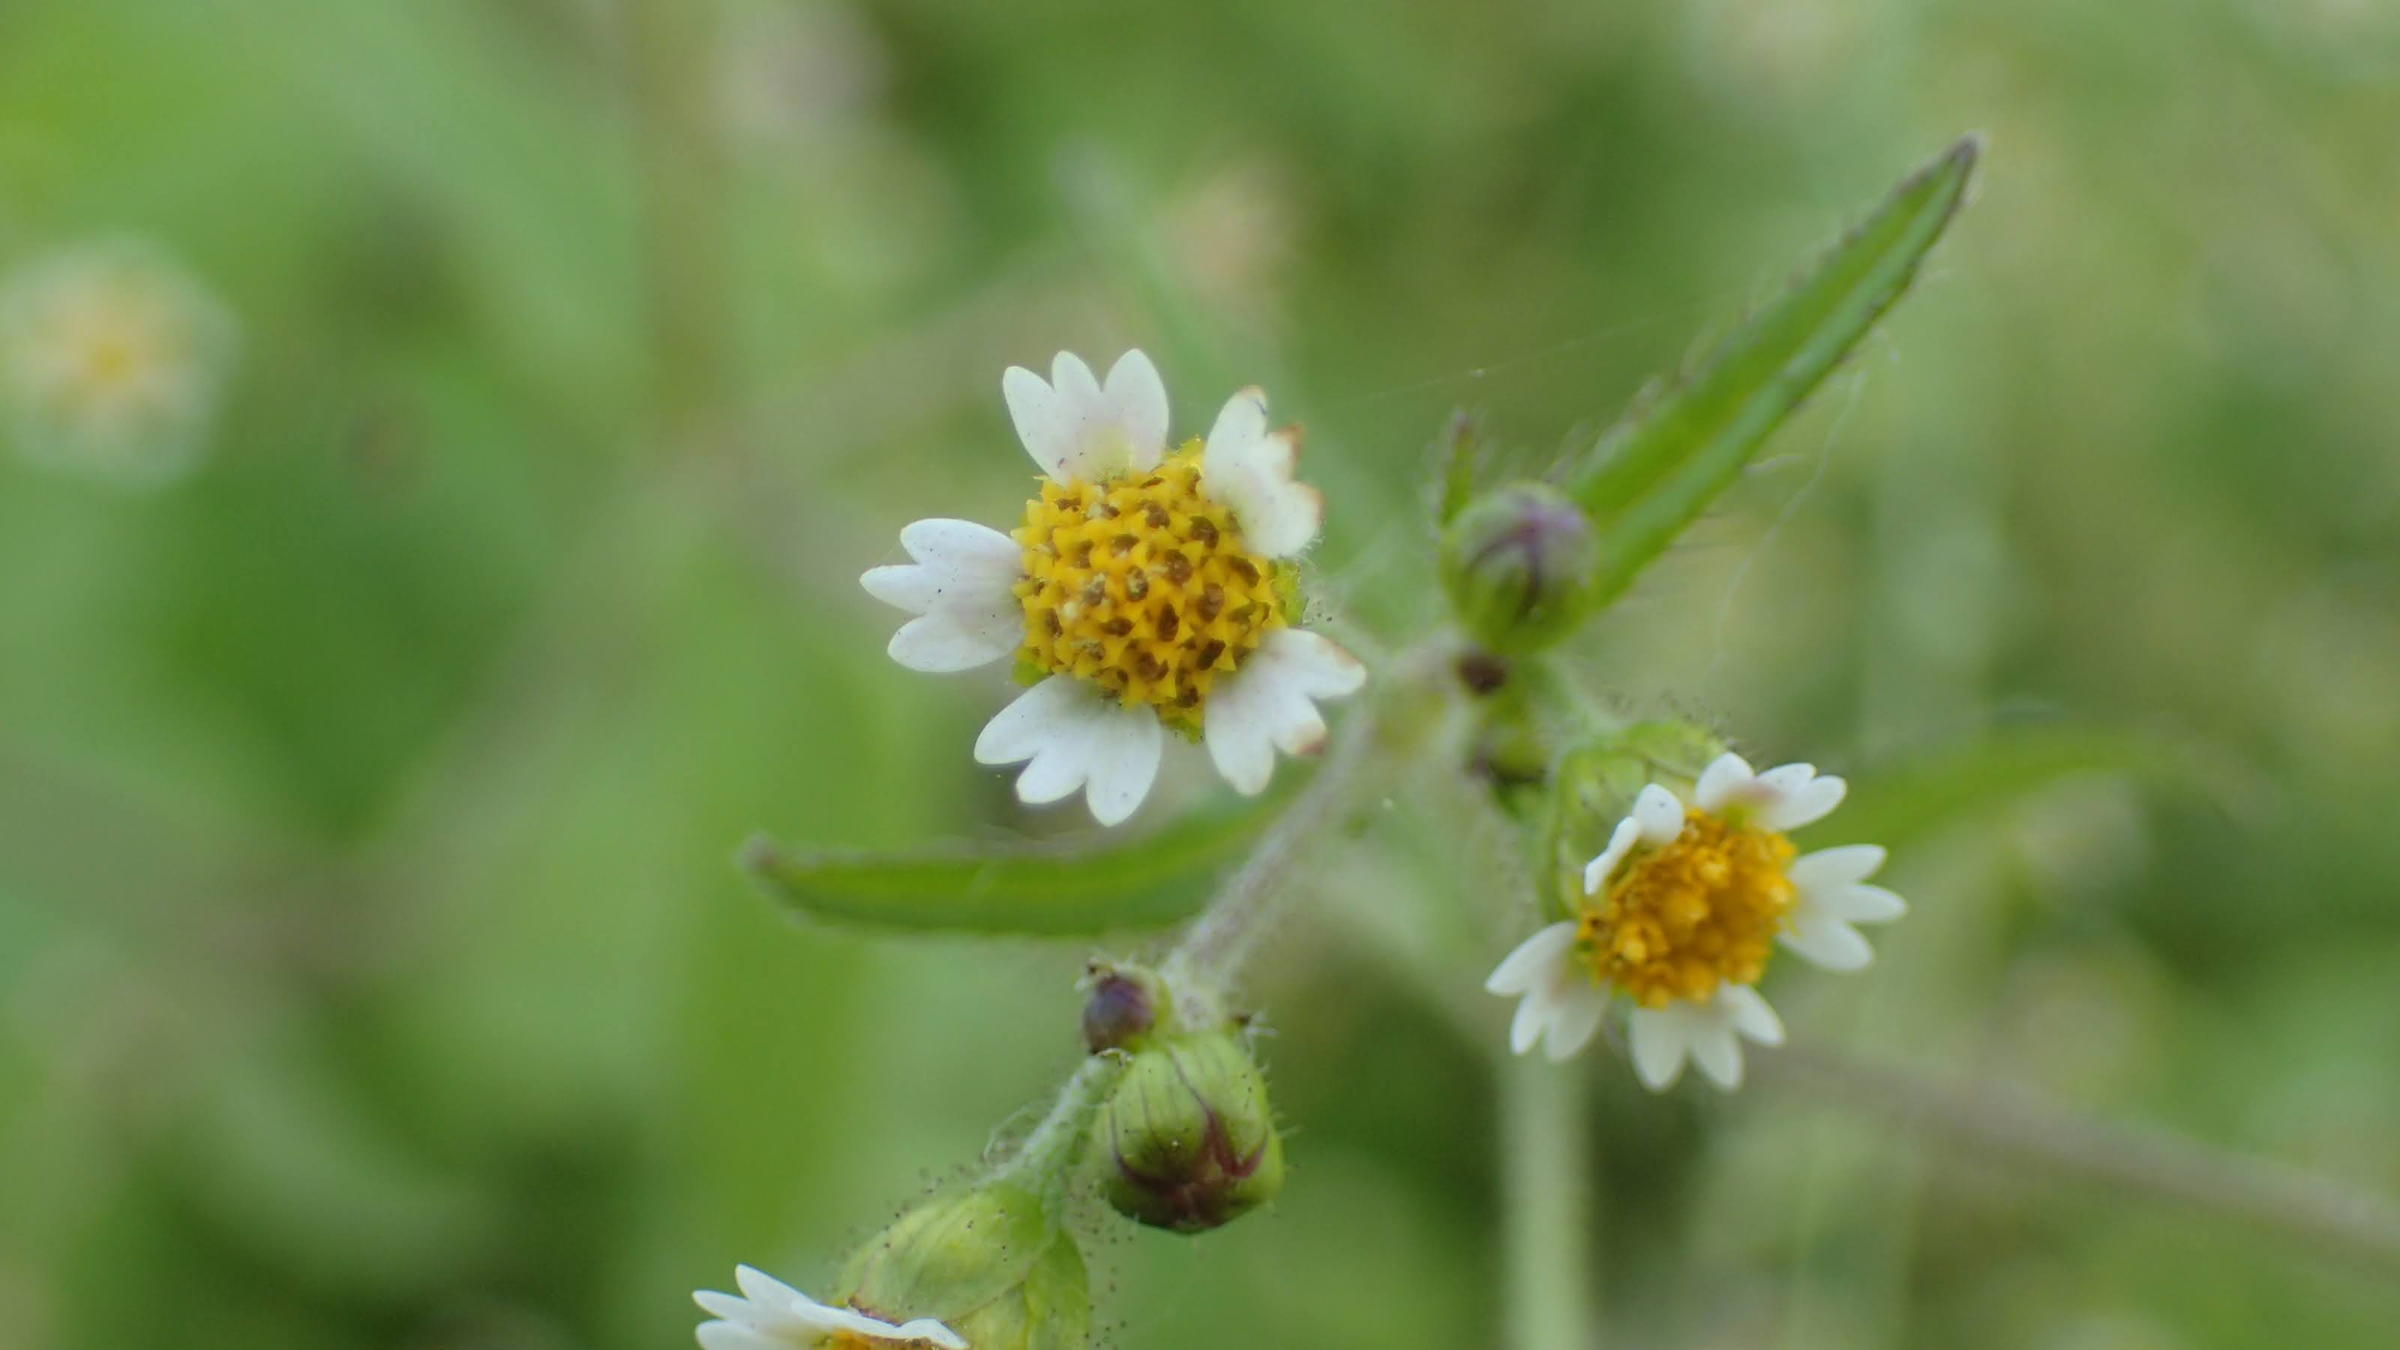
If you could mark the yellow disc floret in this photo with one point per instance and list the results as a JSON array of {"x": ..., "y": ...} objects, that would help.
[
  {"x": 1678, "y": 920},
  {"x": 1142, "y": 585}
]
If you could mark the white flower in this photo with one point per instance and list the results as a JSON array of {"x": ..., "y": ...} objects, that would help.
[
  {"x": 1147, "y": 589},
  {"x": 1709, "y": 1032},
  {"x": 771, "y": 1315},
  {"x": 111, "y": 359},
  {"x": 1680, "y": 914}
]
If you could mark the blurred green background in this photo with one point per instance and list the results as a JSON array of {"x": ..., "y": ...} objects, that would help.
[{"x": 373, "y": 971}]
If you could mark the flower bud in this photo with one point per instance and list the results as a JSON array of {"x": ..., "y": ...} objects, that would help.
[
  {"x": 1187, "y": 1140},
  {"x": 991, "y": 1262},
  {"x": 1518, "y": 564},
  {"x": 1121, "y": 1004}
]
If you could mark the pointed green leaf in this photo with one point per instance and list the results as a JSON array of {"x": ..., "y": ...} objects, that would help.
[
  {"x": 1658, "y": 469},
  {"x": 1903, "y": 803},
  {"x": 1035, "y": 888}
]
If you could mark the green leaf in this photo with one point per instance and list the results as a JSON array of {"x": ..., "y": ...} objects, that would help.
[
  {"x": 1036, "y": 888},
  {"x": 1658, "y": 469},
  {"x": 1897, "y": 805}
]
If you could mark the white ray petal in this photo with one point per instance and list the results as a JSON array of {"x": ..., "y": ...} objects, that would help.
[
  {"x": 927, "y": 1329},
  {"x": 1804, "y": 805},
  {"x": 1750, "y": 1014},
  {"x": 1576, "y": 1020},
  {"x": 1061, "y": 767},
  {"x": 1718, "y": 1053},
  {"x": 732, "y": 1336},
  {"x": 1620, "y": 843},
  {"x": 1241, "y": 423},
  {"x": 1532, "y": 1018},
  {"x": 949, "y": 640},
  {"x": 1533, "y": 960},
  {"x": 1829, "y": 942},
  {"x": 1140, "y": 399},
  {"x": 1042, "y": 424},
  {"x": 960, "y": 589},
  {"x": 760, "y": 1287},
  {"x": 1659, "y": 1044},
  {"x": 1240, "y": 739},
  {"x": 1269, "y": 703},
  {"x": 956, "y": 562},
  {"x": 1077, "y": 431},
  {"x": 1124, "y": 765},
  {"x": 1078, "y": 392},
  {"x": 1830, "y": 867},
  {"x": 1252, "y": 471},
  {"x": 1851, "y": 904},
  {"x": 966, "y": 545},
  {"x": 1037, "y": 716},
  {"x": 1659, "y": 814},
  {"x": 1726, "y": 777}
]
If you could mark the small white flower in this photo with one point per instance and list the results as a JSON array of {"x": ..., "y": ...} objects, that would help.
[
  {"x": 111, "y": 360},
  {"x": 1681, "y": 913},
  {"x": 771, "y": 1315},
  {"x": 1147, "y": 589}
]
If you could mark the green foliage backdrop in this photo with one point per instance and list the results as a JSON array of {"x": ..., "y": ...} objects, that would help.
[{"x": 374, "y": 967}]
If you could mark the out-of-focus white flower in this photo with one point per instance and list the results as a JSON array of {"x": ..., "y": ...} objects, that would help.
[
  {"x": 771, "y": 1315},
  {"x": 1682, "y": 911},
  {"x": 111, "y": 361},
  {"x": 1146, "y": 590}
]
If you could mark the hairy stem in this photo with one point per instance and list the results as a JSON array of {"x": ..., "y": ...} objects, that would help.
[
  {"x": 2008, "y": 1125},
  {"x": 1047, "y": 1157},
  {"x": 2017, "y": 1126},
  {"x": 1220, "y": 942},
  {"x": 1546, "y": 1207}
]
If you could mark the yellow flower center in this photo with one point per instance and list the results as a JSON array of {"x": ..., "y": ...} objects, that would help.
[
  {"x": 1142, "y": 585},
  {"x": 1679, "y": 920}
]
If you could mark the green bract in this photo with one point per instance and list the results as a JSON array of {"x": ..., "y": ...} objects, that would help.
[
  {"x": 991, "y": 1262},
  {"x": 1187, "y": 1140}
]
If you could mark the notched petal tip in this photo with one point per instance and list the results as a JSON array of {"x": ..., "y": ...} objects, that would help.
[
  {"x": 1659, "y": 1048},
  {"x": 1287, "y": 439},
  {"x": 889, "y": 580}
]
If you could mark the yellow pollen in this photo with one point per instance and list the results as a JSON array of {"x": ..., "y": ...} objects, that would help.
[
  {"x": 1699, "y": 912},
  {"x": 1143, "y": 586}
]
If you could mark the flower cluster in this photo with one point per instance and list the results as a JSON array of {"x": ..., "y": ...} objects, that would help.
[{"x": 1151, "y": 588}]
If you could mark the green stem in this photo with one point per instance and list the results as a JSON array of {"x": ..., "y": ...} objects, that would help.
[
  {"x": 1203, "y": 967},
  {"x": 1048, "y": 1157},
  {"x": 2016, "y": 1125},
  {"x": 1546, "y": 1207}
]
